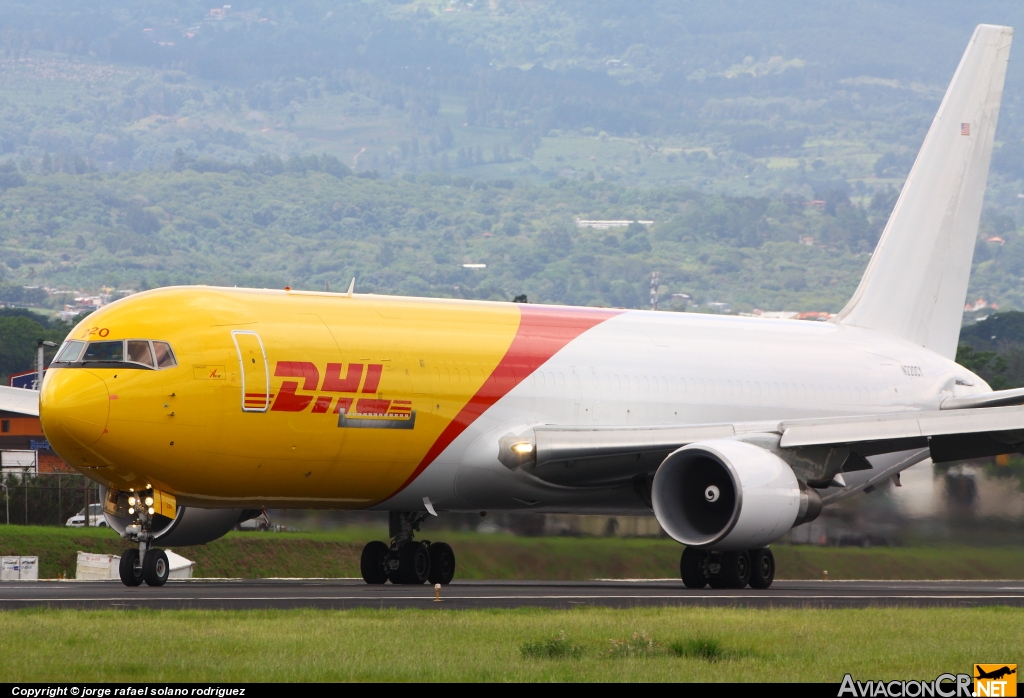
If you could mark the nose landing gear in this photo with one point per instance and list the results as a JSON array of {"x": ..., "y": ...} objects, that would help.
[
  {"x": 145, "y": 564},
  {"x": 727, "y": 570},
  {"x": 407, "y": 561}
]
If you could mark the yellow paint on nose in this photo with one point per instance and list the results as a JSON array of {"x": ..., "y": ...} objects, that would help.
[{"x": 73, "y": 407}]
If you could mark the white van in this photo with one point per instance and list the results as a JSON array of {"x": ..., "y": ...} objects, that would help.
[{"x": 96, "y": 518}]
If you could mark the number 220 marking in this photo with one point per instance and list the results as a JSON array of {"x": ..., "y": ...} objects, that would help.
[{"x": 101, "y": 331}]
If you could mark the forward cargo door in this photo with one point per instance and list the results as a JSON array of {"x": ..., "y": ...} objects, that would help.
[{"x": 252, "y": 361}]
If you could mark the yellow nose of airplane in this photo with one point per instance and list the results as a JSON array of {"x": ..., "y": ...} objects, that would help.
[{"x": 73, "y": 408}]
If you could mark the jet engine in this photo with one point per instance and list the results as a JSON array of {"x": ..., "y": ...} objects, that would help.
[
  {"x": 729, "y": 495},
  {"x": 190, "y": 526}
]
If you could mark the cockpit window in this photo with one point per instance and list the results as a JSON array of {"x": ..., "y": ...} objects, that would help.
[
  {"x": 129, "y": 353},
  {"x": 70, "y": 352},
  {"x": 104, "y": 351},
  {"x": 140, "y": 353},
  {"x": 164, "y": 355}
]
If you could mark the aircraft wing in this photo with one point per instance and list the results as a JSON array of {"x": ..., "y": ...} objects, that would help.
[
  {"x": 997, "y": 398},
  {"x": 19, "y": 400},
  {"x": 577, "y": 456},
  {"x": 588, "y": 456},
  {"x": 949, "y": 434}
]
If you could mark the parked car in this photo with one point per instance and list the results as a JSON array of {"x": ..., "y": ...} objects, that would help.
[
  {"x": 260, "y": 523},
  {"x": 96, "y": 518}
]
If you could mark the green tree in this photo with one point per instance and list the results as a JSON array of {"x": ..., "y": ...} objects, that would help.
[
  {"x": 20, "y": 331},
  {"x": 990, "y": 365},
  {"x": 10, "y": 177}
]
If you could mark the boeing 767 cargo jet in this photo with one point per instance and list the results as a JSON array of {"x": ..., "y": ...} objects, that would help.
[{"x": 196, "y": 407}]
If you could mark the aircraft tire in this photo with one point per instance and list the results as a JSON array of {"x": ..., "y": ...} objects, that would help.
[
  {"x": 129, "y": 569},
  {"x": 372, "y": 562},
  {"x": 735, "y": 572},
  {"x": 155, "y": 567},
  {"x": 413, "y": 563},
  {"x": 691, "y": 568},
  {"x": 762, "y": 568},
  {"x": 442, "y": 563}
]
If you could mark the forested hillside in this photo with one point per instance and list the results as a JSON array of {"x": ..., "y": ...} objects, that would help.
[
  {"x": 677, "y": 92},
  {"x": 276, "y": 142},
  {"x": 412, "y": 236}
]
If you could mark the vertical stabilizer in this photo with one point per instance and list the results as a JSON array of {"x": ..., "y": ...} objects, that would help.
[{"x": 916, "y": 283}]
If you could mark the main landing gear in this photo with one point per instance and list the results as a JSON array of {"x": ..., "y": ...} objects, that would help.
[
  {"x": 727, "y": 570},
  {"x": 406, "y": 561}
]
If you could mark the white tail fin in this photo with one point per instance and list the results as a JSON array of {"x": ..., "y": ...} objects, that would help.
[{"x": 916, "y": 283}]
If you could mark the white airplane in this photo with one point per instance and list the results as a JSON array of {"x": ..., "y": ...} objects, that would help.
[{"x": 196, "y": 406}]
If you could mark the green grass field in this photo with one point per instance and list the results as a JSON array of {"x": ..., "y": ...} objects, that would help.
[
  {"x": 670, "y": 644},
  {"x": 592, "y": 644},
  {"x": 499, "y": 556}
]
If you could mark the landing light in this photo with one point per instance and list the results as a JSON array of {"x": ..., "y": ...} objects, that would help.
[
  {"x": 131, "y": 501},
  {"x": 151, "y": 511},
  {"x": 149, "y": 501},
  {"x": 131, "y": 510},
  {"x": 523, "y": 448}
]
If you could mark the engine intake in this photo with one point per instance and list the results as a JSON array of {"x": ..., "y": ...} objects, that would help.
[{"x": 729, "y": 495}]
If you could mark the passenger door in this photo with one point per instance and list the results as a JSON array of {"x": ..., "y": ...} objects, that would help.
[{"x": 252, "y": 360}]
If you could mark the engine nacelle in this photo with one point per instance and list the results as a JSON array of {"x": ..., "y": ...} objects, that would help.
[
  {"x": 729, "y": 495},
  {"x": 190, "y": 526}
]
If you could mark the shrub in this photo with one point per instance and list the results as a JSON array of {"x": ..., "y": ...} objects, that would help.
[
  {"x": 557, "y": 647},
  {"x": 638, "y": 645},
  {"x": 707, "y": 648}
]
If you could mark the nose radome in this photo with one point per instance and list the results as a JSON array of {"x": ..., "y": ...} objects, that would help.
[{"x": 73, "y": 408}]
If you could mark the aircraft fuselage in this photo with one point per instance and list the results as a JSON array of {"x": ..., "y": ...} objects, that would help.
[{"x": 283, "y": 398}]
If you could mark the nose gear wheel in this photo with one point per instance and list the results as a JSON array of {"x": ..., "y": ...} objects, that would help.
[
  {"x": 155, "y": 567},
  {"x": 130, "y": 568}
]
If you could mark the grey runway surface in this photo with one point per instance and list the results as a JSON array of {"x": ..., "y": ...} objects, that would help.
[{"x": 342, "y": 593}]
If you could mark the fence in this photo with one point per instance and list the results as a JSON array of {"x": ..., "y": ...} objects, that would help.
[{"x": 45, "y": 499}]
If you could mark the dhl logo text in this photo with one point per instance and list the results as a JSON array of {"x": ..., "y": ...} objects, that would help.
[{"x": 355, "y": 379}]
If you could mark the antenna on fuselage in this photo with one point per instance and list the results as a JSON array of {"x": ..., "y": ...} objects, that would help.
[{"x": 351, "y": 287}]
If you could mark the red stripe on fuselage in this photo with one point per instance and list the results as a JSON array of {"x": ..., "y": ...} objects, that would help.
[{"x": 543, "y": 331}]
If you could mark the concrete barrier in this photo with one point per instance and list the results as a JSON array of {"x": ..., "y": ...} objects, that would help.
[
  {"x": 95, "y": 566},
  {"x": 19, "y": 567}
]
